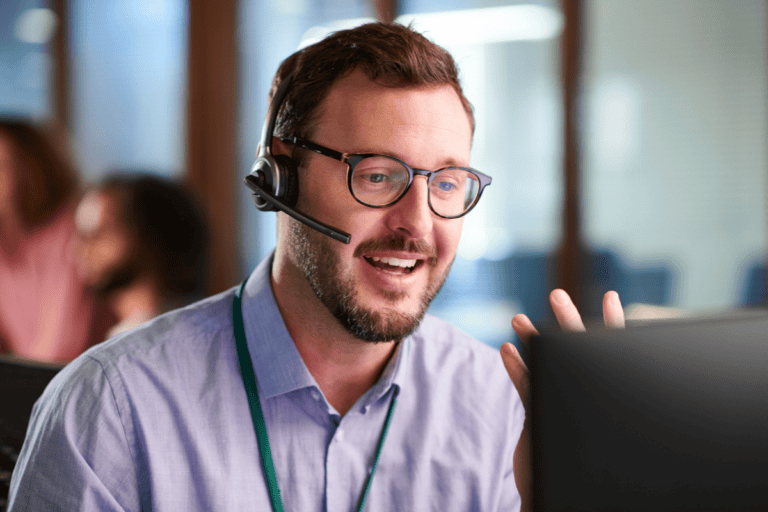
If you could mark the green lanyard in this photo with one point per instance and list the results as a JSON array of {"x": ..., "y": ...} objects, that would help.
[{"x": 249, "y": 380}]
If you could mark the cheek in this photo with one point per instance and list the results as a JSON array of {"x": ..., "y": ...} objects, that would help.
[
  {"x": 109, "y": 251},
  {"x": 448, "y": 235},
  {"x": 323, "y": 191},
  {"x": 336, "y": 207}
]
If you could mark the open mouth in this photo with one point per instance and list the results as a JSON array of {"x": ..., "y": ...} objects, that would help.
[{"x": 393, "y": 265}]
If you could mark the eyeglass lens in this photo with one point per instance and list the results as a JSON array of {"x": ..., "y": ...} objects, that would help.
[{"x": 378, "y": 181}]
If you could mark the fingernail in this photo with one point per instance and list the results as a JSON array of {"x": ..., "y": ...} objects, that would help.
[
  {"x": 614, "y": 298},
  {"x": 560, "y": 296},
  {"x": 508, "y": 348}
]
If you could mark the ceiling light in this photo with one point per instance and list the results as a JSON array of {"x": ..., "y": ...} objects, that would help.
[
  {"x": 35, "y": 26},
  {"x": 488, "y": 25},
  {"x": 469, "y": 26}
]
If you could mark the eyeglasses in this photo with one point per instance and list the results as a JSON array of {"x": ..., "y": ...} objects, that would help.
[{"x": 379, "y": 180}]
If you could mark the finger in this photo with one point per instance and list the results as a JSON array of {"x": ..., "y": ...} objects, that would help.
[
  {"x": 565, "y": 311},
  {"x": 524, "y": 328},
  {"x": 517, "y": 371},
  {"x": 613, "y": 313}
]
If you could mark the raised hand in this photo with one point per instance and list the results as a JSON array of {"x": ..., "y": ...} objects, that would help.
[{"x": 570, "y": 320}]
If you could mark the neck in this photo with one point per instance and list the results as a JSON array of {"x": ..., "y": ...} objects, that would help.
[
  {"x": 343, "y": 366},
  {"x": 139, "y": 299}
]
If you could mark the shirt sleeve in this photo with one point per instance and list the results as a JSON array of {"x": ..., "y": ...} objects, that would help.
[{"x": 76, "y": 455}]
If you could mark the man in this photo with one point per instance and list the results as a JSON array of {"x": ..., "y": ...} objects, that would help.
[
  {"x": 142, "y": 245},
  {"x": 349, "y": 395}
]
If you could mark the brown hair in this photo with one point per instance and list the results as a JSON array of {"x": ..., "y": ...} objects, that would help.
[
  {"x": 44, "y": 179},
  {"x": 388, "y": 53}
]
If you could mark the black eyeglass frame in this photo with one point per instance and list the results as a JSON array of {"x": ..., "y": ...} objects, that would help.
[{"x": 354, "y": 159}]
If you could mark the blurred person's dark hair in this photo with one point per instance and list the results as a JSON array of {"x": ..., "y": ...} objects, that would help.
[
  {"x": 44, "y": 178},
  {"x": 168, "y": 231}
]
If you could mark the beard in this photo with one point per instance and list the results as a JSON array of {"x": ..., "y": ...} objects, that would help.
[{"x": 320, "y": 264}]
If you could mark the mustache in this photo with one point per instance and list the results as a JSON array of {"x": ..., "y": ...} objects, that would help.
[{"x": 398, "y": 243}]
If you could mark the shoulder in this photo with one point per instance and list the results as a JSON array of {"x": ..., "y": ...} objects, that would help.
[
  {"x": 156, "y": 364},
  {"x": 138, "y": 389},
  {"x": 156, "y": 350},
  {"x": 179, "y": 335},
  {"x": 76, "y": 425}
]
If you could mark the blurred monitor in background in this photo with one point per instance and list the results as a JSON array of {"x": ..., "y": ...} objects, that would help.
[
  {"x": 142, "y": 246},
  {"x": 45, "y": 312}
]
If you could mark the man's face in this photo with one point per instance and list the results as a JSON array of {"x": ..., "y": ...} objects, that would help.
[
  {"x": 363, "y": 285},
  {"x": 102, "y": 245}
]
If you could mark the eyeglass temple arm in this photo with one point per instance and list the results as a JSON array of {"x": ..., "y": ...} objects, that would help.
[{"x": 317, "y": 148}]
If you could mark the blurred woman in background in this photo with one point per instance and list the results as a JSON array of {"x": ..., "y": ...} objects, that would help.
[
  {"x": 45, "y": 311},
  {"x": 142, "y": 246}
]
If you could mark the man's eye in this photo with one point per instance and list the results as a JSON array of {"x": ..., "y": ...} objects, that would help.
[
  {"x": 377, "y": 177},
  {"x": 383, "y": 177},
  {"x": 445, "y": 186}
]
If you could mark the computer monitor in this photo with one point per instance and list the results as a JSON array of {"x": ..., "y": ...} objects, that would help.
[
  {"x": 22, "y": 381},
  {"x": 667, "y": 416}
]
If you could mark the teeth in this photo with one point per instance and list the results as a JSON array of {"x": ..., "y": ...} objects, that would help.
[{"x": 396, "y": 262}]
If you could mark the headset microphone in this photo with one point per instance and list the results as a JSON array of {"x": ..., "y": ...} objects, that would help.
[
  {"x": 274, "y": 181},
  {"x": 276, "y": 204}
]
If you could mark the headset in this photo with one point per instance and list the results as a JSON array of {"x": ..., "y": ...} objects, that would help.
[{"x": 274, "y": 179}]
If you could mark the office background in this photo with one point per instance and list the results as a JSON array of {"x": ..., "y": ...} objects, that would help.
[{"x": 627, "y": 140}]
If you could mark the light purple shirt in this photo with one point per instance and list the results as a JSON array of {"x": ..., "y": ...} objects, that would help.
[{"x": 157, "y": 419}]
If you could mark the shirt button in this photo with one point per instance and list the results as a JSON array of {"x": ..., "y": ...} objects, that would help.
[
  {"x": 315, "y": 394},
  {"x": 339, "y": 435}
]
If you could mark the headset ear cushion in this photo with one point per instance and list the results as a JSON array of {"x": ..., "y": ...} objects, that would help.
[
  {"x": 289, "y": 175},
  {"x": 263, "y": 171}
]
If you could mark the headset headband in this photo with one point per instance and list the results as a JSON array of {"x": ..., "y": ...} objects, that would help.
[{"x": 274, "y": 109}]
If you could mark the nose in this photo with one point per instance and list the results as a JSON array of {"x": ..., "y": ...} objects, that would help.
[{"x": 411, "y": 215}]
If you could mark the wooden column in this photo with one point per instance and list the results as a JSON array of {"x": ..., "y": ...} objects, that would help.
[
  {"x": 211, "y": 130},
  {"x": 569, "y": 261},
  {"x": 386, "y": 10},
  {"x": 60, "y": 80}
]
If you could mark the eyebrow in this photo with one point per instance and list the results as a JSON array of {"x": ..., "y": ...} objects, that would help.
[{"x": 448, "y": 162}]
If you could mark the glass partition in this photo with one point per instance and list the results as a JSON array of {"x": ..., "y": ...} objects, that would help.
[
  {"x": 675, "y": 141},
  {"x": 26, "y": 28},
  {"x": 129, "y": 85}
]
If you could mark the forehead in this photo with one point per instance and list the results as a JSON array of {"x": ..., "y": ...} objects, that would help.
[
  {"x": 427, "y": 122},
  {"x": 95, "y": 210}
]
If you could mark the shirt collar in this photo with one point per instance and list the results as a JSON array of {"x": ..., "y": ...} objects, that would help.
[
  {"x": 277, "y": 363},
  {"x": 394, "y": 374}
]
